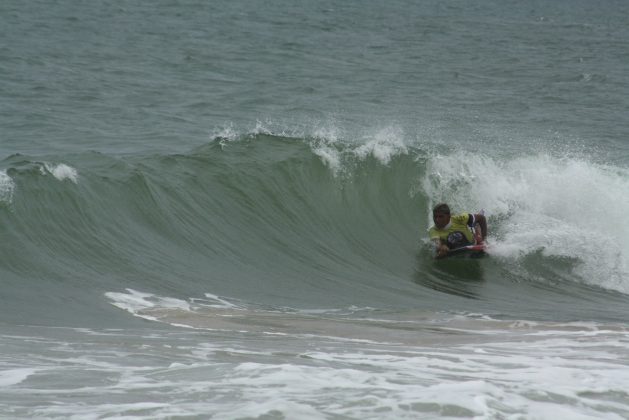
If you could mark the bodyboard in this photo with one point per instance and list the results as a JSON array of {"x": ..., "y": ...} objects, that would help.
[{"x": 472, "y": 251}]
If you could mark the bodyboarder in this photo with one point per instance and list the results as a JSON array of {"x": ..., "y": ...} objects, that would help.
[{"x": 455, "y": 231}]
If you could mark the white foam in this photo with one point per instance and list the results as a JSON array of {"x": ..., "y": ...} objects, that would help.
[
  {"x": 330, "y": 133},
  {"x": 7, "y": 186},
  {"x": 227, "y": 132},
  {"x": 135, "y": 302},
  {"x": 336, "y": 149},
  {"x": 270, "y": 408},
  {"x": 497, "y": 380},
  {"x": 15, "y": 376},
  {"x": 516, "y": 373},
  {"x": 261, "y": 128},
  {"x": 62, "y": 172},
  {"x": 330, "y": 157},
  {"x": 563, "y": 207},
  {"x": 218, "y": 302},
  {"x": 386, "y": 144}
]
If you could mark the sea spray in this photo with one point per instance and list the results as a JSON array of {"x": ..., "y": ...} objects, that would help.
[
  {"x": 384, "y": 145},
  {"x": 7, "y": 186},
  {"x": 562, "y": 207},
  {"x": 61, "y": 171},
  {"x": 342, "y": 155}
]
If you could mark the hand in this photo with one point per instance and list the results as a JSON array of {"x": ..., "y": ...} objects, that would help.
[
  {"x": 442, "y": 251},
  {"x": 478, "y": 238}
]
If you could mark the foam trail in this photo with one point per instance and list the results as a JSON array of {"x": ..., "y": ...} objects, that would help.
[{"x": 135, "y": 302}]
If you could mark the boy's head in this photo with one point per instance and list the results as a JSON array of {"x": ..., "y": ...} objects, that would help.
[{"x": 441, "y": 215}]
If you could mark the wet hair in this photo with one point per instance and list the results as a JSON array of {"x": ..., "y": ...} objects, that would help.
[{"x": 441, "y": 209}]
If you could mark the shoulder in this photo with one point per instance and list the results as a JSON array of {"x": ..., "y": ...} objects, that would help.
[{"x": 462, "y": 218}]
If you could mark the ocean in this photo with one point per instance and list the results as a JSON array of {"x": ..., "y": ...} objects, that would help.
[{"x": 220, "y": 209}]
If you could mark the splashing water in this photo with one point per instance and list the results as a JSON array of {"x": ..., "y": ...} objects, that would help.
[{"x": 563, "y": 207}]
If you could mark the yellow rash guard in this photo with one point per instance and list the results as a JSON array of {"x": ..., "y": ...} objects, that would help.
[{"x": 457, "y": 233}]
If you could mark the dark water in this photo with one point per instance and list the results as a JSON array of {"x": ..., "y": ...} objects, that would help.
[{"x": 202, "y": 205}]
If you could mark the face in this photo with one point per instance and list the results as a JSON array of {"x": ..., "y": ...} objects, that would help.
[{"x": 441, "y": 219}]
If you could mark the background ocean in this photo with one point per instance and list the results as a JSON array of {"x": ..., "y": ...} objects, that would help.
[{"x": 219, "y": 209}]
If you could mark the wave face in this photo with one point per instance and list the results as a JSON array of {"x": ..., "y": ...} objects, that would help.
[
  {"x": 204, "y": 282},
  {"x": 315, "y": 222}
]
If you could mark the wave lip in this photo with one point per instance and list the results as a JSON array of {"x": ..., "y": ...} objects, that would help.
[
  {"x": 383, "y": 146},
  {"x": 61, "y": 171},
  {"x": 7, "y": 187}
]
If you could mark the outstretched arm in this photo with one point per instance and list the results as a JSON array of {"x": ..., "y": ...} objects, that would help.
[
  {"x": 441, "y": 248},
  {"x": 481, "y": 222}
]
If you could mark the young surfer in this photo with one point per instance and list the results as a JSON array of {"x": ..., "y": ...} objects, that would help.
[{"x": 450, "y": 232}]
